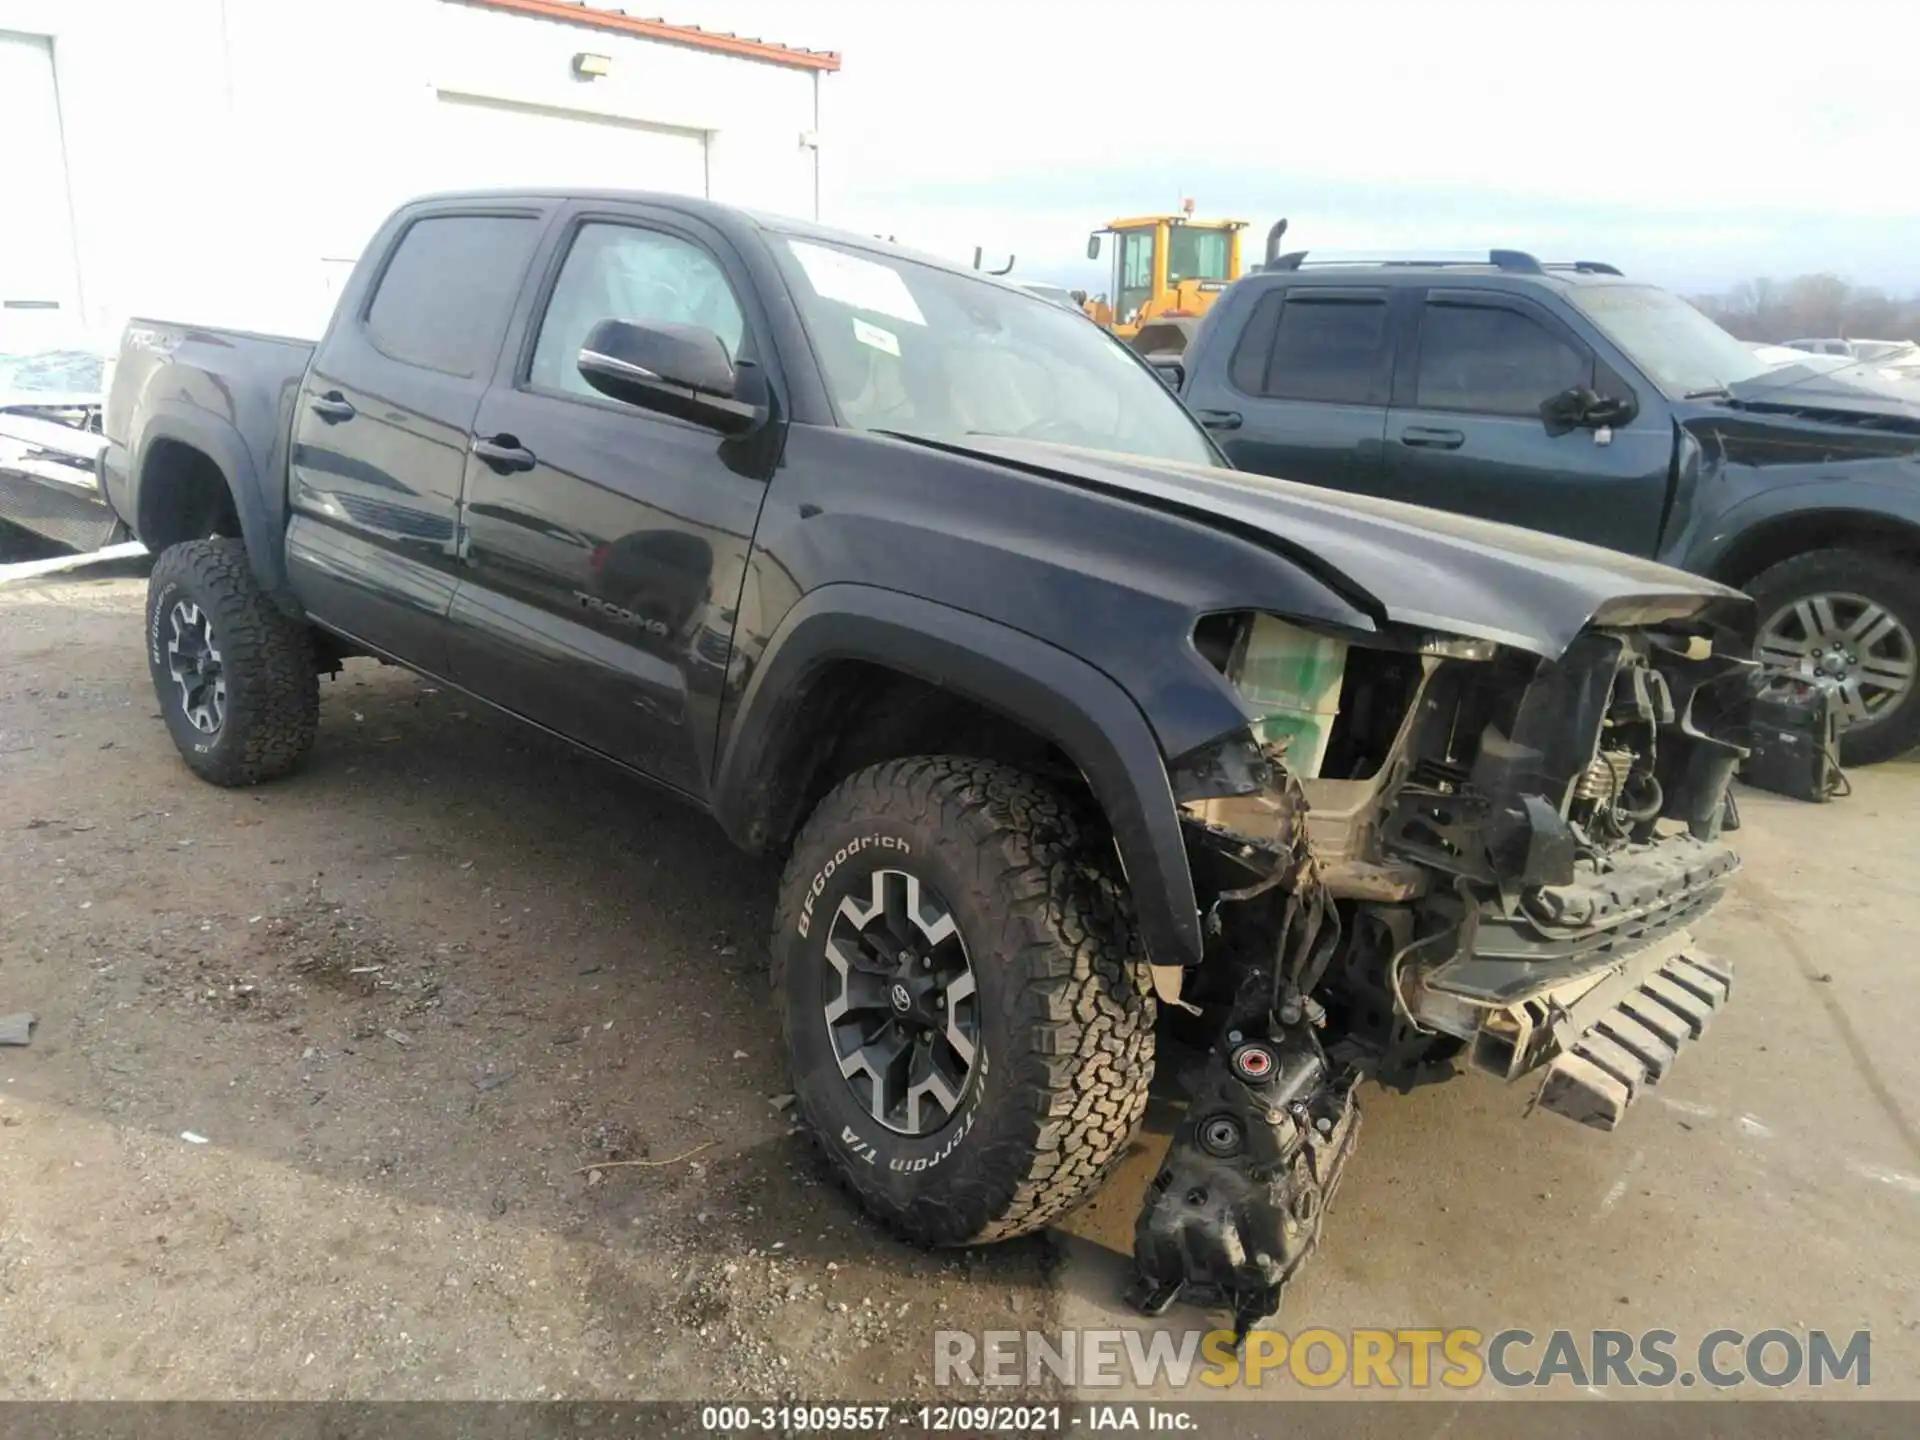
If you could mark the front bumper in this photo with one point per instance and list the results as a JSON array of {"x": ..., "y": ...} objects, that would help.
[
  {"x": 1606, "y": 1000},
  {"x": 1604, "y": 1037},
  {"x": 1625, "y": 1035},
  {"x": 1642, "y": 896}
]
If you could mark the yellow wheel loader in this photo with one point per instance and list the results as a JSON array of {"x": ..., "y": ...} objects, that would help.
[{"x": 1167, "y": 270}]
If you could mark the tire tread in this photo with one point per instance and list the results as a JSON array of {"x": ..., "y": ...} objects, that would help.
[
  {"x": 1082, "y": 1007},
  {"x": 1886, "y": 579},
  {"x": 273, "y": 691}
]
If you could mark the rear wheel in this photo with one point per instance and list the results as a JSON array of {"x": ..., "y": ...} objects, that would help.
[
  {"x": 968, "y": 1015},
  {"x": 1849, "y": 618},
  {"x": 234, "y": 675}
]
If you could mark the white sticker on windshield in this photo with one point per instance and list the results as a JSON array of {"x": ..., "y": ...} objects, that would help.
[
  {"x": 863, "y": 284},
  {"x": 876, "y": 337}
]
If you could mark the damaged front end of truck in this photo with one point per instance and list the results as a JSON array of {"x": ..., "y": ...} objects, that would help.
[{"x": 1421, "y": 852}]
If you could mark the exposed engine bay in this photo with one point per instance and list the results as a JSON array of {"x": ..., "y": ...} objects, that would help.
[{"x": 1424, "y": 851}]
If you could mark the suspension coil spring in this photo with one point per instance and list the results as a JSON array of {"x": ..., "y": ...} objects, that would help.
[{"x": 1606, "y": 776}]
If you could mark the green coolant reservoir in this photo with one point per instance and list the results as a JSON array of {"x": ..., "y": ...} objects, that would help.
[{"x": 1290, "y": 679}]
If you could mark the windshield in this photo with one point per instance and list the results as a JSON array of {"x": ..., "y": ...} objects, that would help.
[
  {"x": 1195, "y": 254},
  {"x": 924, "y": 351},
  {"x": 1680, "y": 348}
]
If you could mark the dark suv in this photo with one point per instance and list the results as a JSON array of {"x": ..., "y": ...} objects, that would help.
[{"x": 1570, "y": 399}]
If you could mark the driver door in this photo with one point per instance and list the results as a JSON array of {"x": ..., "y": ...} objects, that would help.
[
  {"x": 1133, "y": 262},
  {"x": 1464, "y": 432},
  {"x": 604, "y": 546}
]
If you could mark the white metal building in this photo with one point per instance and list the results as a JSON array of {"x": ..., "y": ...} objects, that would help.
[{"x": 226, "y": 160}]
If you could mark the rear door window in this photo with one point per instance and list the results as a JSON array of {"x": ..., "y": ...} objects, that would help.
[
  {"x": 1248, "y": 367},
  {"x": 1492, "y": 360},
  {"x": 1334, "y": 349},
  {"x": 443, "y": 300}
]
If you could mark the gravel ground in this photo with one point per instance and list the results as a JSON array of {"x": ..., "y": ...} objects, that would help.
[
  {"x": 476, "y": 1034},
  {"x": 447, "y": 1069}
]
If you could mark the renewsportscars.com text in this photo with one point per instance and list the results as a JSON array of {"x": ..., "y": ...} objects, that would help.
[{"x": 1404, "y": 1359}]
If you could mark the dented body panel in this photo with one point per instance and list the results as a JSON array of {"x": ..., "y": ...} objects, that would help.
[
  {"x": 1402, "y": 563},
  {"x": 1742, "y": 475}
]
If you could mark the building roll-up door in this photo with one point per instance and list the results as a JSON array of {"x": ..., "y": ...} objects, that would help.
[
  {"x": 483, "y": 143},
  {"x": 37, "y": 264}
]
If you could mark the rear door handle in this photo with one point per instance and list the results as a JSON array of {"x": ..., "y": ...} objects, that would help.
[
  {"x": 504, "y": 453},
  {"x": 1425, "y": 437},
  {"x": 332, "y": 407},
  {"x": 1221, "y": 419}
]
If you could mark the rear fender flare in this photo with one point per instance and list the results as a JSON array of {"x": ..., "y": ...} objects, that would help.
[
  {"x": 221, "y": 443},
  {"x": 1070, "y": 703}
]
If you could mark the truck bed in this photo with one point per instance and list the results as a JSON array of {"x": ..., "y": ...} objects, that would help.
[{"x": 226, "y": 393}]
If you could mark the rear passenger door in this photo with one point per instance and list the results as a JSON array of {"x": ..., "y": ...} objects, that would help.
[
  {"x": 1306, "y": 388},
  {"x": 1465, "y": 431},
  {"x": 381, "y": 425},
  {"x": 605, "y": 546}
]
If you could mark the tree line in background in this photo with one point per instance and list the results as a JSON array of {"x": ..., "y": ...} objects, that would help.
[{"x": 1812, "y": 307}]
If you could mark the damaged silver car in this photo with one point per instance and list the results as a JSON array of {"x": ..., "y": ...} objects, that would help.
[{"x": 51, "y": 392}]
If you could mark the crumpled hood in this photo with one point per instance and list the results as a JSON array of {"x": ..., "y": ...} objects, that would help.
[
  {"x": 1862, "y": 389},
  {"x": 1404, "y": 563}
]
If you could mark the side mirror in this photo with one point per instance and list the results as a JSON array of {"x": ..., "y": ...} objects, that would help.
[
  {"x": 1581, "y": 408},
  {"x": 678, "y": 370},
  {"x": 1093, "y": 246},
  {"x": 1170, "y": 369},
  {"x": 1610, "y": 410}
]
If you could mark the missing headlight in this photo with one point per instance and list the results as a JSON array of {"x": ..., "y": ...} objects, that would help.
[
  {"x": 1290, "y": 680},
  {"x": 1331, "y": 705}
]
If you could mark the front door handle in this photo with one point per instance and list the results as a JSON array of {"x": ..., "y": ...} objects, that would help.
[
  {"x": 1221, "y": 419},
  {"x": 504, "y": 453},
  {"x": 1425, "y": 437},
  {"x": 332, "y": 407}
]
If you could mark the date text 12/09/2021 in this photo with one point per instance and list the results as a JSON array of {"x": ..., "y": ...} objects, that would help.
[{"x": 947, "y": 1419}]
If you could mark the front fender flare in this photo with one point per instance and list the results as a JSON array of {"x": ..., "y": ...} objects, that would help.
[
  {"x": 1887, "y": 498},
  {"x": 1073, "y": 705}
]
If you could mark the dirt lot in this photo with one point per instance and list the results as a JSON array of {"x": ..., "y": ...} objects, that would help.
[
  {"x": 408, "y": 999},
  {"x": 475, "y": 1034}
]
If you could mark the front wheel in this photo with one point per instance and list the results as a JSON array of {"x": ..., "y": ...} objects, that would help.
[
  {"x": 968, "y": 1014},
  {"x": 234, "y": 675},
  {"x": 1848, "y": 618}
]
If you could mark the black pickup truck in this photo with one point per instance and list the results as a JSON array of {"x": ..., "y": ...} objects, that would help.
[
  {"x": 931, "y": 586},
  {"x": 1571, "y": 399}
]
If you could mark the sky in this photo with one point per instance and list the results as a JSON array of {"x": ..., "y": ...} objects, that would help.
[{"x": 1693, "y": 142}]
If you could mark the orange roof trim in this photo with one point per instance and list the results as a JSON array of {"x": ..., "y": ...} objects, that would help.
[{"x": 575, "y": 12}]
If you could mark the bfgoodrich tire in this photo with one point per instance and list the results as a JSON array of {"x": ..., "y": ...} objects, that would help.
[
  {"x": 1853, "y": 616},
  {"x": 968, "y": 1015},
  {"x": 234, "y": 675}
]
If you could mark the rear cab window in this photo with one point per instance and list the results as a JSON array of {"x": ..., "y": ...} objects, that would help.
[
  {"x": 443, "y": 300},
  {"x": 1321, "y": 344}
]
